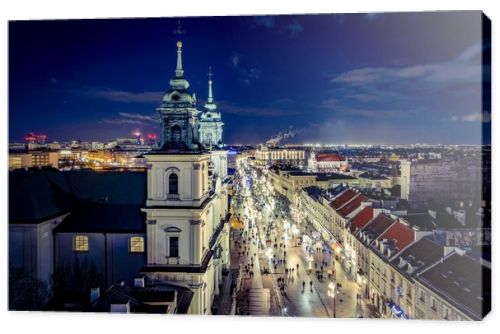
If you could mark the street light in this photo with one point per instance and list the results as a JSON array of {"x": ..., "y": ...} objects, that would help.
[{"x": 331, "y": 293}]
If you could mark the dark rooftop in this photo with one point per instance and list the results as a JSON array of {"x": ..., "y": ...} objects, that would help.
[
  {"x": 333, "y": 176},
  {"x": 139, "y": 298},
  {"x": 418, "y": 256},
  {"x": 462, "y": 281},
  {"x": 104, "y": 217},
  {"x": 38, "y": 195}
]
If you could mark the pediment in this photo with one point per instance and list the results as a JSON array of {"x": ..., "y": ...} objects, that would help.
[{"x": 173, "y": 229}]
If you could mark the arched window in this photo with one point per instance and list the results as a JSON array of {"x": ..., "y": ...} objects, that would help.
[
  {"x": 176, "y": 134},
  {"x": 173, "y": 184}
]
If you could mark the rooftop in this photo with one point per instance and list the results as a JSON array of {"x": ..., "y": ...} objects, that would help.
[
  {"x": 329, "y": 157},
  {"x": 343, "y": 199},
  {"x": 333, "y": 176},
  {"x": 146, "y": 300},
  {"x": 104, "y": 217},
  {"x": 373, "y": 176},
  {"x": 361, "y": 219},
  {"x": 418, "y": 256},
  {"x": 352, "y": 205},
  {"x": 377, "y": 226},
  {"x": 398, "y": 236},
  {"x": 38, "y": 195},
  {"x": 462, "y": 281}
]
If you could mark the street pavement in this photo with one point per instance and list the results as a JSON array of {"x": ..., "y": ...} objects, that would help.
[{"x": 298, "y": 297}]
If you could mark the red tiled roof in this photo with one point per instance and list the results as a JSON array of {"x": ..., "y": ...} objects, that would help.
[
  {"x": 343, "y": 199},
  {"x": 379, "y": 224},
  {"x": 401, "y": 233},
  {"x": 329, "y": 157},
  {"x": 362, "y": 218},
  {"x": 352, "y": 205}
]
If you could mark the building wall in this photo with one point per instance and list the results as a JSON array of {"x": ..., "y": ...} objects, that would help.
[
  {"x": 31, "y": 247},
  {"x": 193, "y": 181},
  {"x": 20, "y": 160},
  {"x": 109, "y": 252},
  {"x": 430, "y": 306}
]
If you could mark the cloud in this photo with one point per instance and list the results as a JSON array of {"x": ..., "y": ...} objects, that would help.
[
  {"x": 53, "y": 81},
  {"x": 139, "y": 117},
  {"x": 121, "y": 121},
  {"x": 273, "y": 110},
  {"x": 265, "y": 21},
  {"x": 484, "y": 117},
  {"x": 436, "y": 92},
  {"x": 460, "y": 68},
  {"x": 377, "y": 113},
  {"x": 293, "y": 29},
  {"x": 372, "y": 16},
  {"x": 125, "y": 96},
  {"x": 246, "y": 71}
]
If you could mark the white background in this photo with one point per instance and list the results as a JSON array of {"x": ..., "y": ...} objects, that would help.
[{"x": 20, "y": 322}]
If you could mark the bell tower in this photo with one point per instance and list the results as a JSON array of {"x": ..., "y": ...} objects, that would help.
[
  {"x": 178, "y": 113},
  {"x": 186, "y": 216},
  {"x": 210, "y": 120}
]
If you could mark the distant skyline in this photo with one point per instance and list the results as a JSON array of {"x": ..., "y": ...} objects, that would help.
[{"x": 394, "y": 78}]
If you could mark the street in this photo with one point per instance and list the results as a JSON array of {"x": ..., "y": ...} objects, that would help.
[{"x": 280, "y": 259}]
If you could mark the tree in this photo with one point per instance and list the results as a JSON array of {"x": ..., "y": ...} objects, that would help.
[
  {"x": 26, "y": 293},
  {"x": 72, "y": 283}
]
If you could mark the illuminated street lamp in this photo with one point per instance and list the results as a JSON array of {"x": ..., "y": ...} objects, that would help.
[{"x": 331, "y": 293}]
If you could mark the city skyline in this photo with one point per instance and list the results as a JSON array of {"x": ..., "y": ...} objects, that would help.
[{"x": 330, "y": 78}]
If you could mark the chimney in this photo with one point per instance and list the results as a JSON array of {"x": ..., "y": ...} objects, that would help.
[{"x": 94, "y": 294}]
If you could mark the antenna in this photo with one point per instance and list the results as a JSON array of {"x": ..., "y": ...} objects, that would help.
[{"x": 210, "y": 73}]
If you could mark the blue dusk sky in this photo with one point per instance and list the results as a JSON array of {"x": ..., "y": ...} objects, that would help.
[{"x": 343, "y": 78}]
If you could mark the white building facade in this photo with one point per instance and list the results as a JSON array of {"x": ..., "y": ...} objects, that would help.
[{"x": 187, "y": 205}]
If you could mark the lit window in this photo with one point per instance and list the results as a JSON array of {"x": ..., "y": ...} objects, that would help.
[
  {"x": 81, "y": 243},
  {"x": 136, "y": 245}
]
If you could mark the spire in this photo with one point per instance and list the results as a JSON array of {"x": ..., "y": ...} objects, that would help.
[
  {"x": 210, "y": 105},
  {"x": 210, "y": 97},
  {"x": 178, "y": 69}
]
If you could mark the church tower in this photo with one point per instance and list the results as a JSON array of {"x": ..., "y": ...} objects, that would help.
[
  {"x": 210, "y": 120},
  {"x": 186, "y": 211},
  {"x": 178, "y": 113}
]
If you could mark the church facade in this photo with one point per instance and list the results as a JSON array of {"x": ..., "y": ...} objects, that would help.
[{"x": 187, "y": 200}]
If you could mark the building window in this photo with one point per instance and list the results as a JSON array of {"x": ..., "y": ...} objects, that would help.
[
  {"x": 173, "y": 247},
  {"x": 173, "y": 184},
  {"x": 136, "y": 245},
  {"x": 433, "y": 305},
  {"x": 81, "y": 243},
  {"x": 176, "y": 134}
]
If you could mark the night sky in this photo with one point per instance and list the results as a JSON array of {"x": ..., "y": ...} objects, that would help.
[{"x": 343, "y": 78}]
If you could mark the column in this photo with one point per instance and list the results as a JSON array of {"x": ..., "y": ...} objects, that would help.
[{"x": 195, "y": 246}]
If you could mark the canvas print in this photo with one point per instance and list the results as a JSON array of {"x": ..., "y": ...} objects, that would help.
[{"x": 333, "y": 165}]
